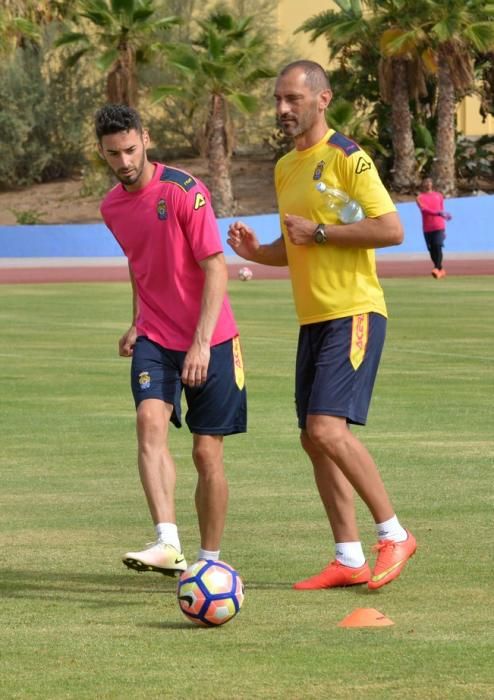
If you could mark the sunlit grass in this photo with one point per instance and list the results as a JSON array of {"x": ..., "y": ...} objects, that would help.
[{"x": 77, "y": 624}]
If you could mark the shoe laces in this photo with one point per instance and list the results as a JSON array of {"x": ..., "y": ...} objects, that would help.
[{"x": 383, "y": 544}]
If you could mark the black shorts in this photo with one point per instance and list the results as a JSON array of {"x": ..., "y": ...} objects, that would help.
[
  {"x": 337, "y": 363},
  {"x": 217, "y": 407}
]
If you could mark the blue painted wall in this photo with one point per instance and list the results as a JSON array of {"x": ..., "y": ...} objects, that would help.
[{"x": 470, "y": 231}]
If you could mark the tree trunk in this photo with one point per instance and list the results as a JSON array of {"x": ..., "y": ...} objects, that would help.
[
  {"x": 405, "y": 163},
  {"x": 443, "y": 171},
  {"x": 121, "y": 85},
  {"x": 218, "y": 155}
]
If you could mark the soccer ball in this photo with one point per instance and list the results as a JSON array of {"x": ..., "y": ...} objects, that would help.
[
  {"x": 210, "y": 593},
  {"x": 245, "y": 274}
]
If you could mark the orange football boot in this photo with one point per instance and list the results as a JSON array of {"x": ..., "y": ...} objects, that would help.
[
  {"x": 435, "y": 273},
  {"x": 335, "y": 575},
  {"x": 391, "y": 558}
]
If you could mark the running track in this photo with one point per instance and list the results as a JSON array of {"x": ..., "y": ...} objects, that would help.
[{"x": 31, "y": 274}]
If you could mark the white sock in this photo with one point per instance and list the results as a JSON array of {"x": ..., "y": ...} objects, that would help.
[
  {"x": 350, "y": 554},
  {"x": 391, "y": 530},
  {"x": 208, "y": 554},
  {"x": 168, "y": 533}
]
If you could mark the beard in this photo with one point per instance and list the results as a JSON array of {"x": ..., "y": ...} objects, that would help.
[
  {"x": 295, "y": 125},
  {"x": 132, "y": 175}
]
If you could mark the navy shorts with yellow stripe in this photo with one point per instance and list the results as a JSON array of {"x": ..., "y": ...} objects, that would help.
[
  {"x": 337, "y": 363},
  {"x": 217, "y": 407}
]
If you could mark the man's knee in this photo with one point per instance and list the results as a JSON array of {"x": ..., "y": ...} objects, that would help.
[
  {"x": 328, "y": 434},
  {"x": 151, "y": 421},
  {"x": 207, "y": 453}
]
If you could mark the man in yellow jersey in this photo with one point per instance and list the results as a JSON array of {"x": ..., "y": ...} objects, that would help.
[{"x": 342, "y": 315}]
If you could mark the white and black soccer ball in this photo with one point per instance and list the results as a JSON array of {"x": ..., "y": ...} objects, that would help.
[{"x": 245, "y": 274}]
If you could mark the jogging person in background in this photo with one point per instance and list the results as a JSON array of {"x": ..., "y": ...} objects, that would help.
[
  {"x": 342, "y": 316},
  {"x": 431, "y": 205},
  {"x": 182, "y": 335}
]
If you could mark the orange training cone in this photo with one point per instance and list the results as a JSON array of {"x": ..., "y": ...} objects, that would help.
[{"x": 365, "y": 617}]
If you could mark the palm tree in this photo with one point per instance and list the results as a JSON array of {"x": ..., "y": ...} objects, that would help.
[
  {"x": 451, "y": 34},
  {"x": 226, "y": 59},
  {"x": 457, "y": 32},
  {"x": 398, "y": 83},
  {"x": 115, "y": 31}
]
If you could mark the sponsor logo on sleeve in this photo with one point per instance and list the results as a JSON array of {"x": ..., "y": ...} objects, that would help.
[
  {"x": 200, "y": 201},
  {"x": 362, "y": 165}
]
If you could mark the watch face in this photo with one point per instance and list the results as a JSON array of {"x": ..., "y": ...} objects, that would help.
[{"x": 320, "y": 236}]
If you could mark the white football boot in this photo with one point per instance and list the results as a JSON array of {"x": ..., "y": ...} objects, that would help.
[{"x": 158, "y": 556}]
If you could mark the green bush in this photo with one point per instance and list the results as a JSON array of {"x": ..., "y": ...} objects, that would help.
[
  {"x": 45, "y": 119},
  {"x": 21, "y": 95}
]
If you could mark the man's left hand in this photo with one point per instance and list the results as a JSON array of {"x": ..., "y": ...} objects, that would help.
[{"x": 300, "y": 231}]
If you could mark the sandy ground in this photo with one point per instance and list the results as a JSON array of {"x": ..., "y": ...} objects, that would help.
[{"x": 61, "y": 202}]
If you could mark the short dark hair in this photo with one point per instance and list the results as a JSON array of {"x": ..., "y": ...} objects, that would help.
[
  {"x": 315, "y": 75},
  {"x": 111, "y": 119}
]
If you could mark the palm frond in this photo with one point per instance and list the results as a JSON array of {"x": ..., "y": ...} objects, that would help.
[
  {"x": 481, "y": 35},
  {"x": 71, "y": 38},
  {"x": 107, "y": 59},
  {"x": 245, "y": 103}
]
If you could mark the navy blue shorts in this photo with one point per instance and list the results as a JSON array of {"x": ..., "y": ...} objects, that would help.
[
  {"x": 217, "y": 407},
  {"x": 337, "y": 363},
  {"x": 434, "y": 238}
]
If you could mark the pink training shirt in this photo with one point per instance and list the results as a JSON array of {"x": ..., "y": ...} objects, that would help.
[
  {"x": 165, "y": 229},
  {"x": 430, "y": 204}
]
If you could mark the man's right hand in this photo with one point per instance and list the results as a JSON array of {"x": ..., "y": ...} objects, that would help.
[
  {"x": 242, "y": 240},
  {"x": 127, "y": 342}
]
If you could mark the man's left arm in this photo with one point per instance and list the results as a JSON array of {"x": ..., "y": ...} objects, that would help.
[
  {"x": 378, "y": 232},
  {"x": 380, "y": 228},
  {"x": 196, "y": 362}
]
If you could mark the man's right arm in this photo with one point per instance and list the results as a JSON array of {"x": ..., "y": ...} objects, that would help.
[{"x": 243, "y": 241}]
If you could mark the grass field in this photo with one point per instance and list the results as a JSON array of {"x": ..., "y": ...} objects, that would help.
[{"x": 76, "y": 624}]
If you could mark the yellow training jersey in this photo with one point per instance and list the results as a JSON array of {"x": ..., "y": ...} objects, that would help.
[{"x": 328, "y": 281}]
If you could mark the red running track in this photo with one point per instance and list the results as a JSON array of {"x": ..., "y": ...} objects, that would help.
[{"x": 119, "y": 273}]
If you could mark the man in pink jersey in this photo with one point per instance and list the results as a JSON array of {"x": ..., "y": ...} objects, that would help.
[
  {"x": 182, "y": 336},
  {"x": 431, "y": 205}
]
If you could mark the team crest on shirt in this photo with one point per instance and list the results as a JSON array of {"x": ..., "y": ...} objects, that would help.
[
  {"x": 161, "y": 210},
  {"x": 144, "y": 380},
  {"x": 318, "y": 171}
]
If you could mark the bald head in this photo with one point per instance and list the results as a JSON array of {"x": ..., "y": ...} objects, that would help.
[
  {"x": 315, "y": 75},
  {"x": 302, "y": 95}
]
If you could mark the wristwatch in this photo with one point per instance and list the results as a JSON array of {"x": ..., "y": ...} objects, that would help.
[{"x": 320, "y": 234}]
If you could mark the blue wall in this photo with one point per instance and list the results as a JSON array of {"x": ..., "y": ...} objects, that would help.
[{"x": 470, "y": 231}]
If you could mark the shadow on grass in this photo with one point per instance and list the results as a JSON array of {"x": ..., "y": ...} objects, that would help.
[
  {"x": 40, "y": 584},
  {"x": 47, "y": 584},
  {"x": 187, "y": 626}
]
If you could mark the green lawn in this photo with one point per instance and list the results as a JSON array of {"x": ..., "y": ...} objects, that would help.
[{"x": 76, "y": 624}]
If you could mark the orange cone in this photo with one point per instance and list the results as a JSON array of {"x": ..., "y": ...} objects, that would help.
[{"x": 365, "y": 617}]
